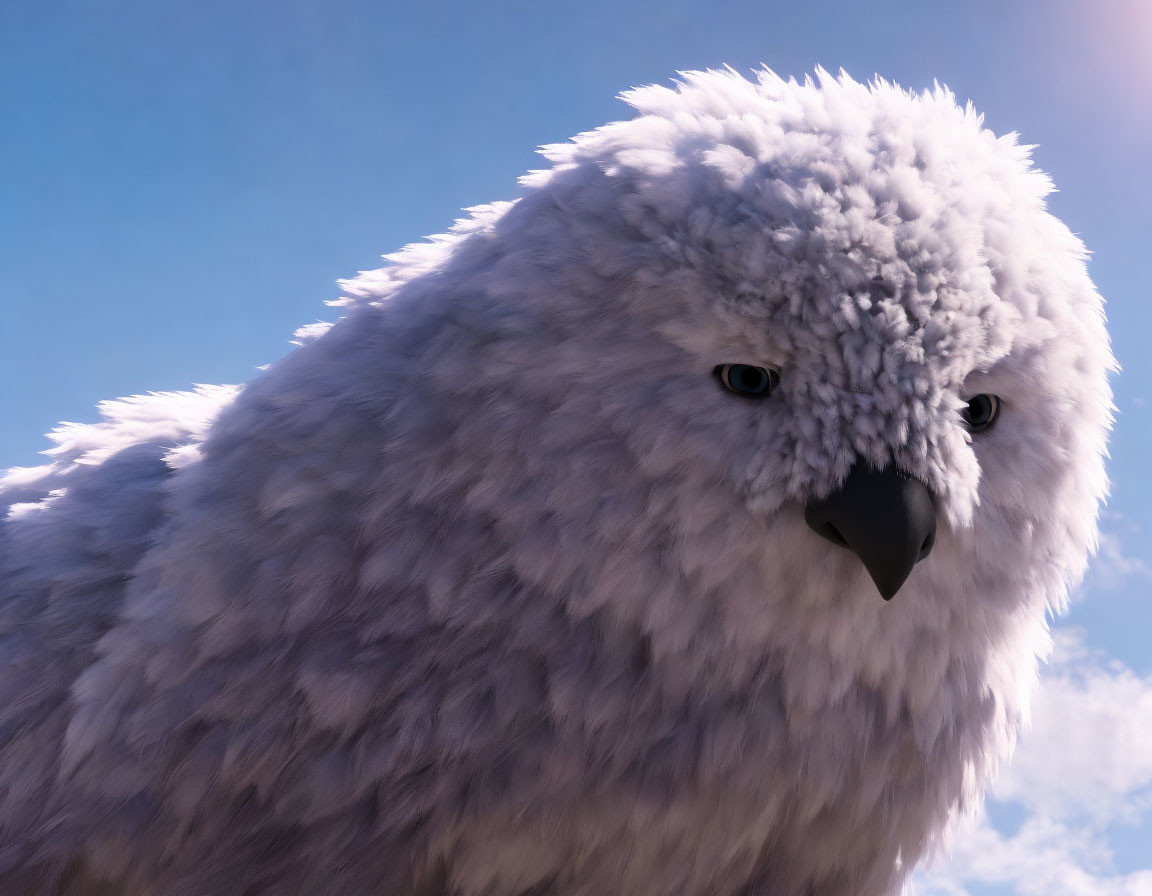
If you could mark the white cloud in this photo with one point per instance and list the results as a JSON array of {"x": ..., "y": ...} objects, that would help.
[
  {"x": 1044, "y": 858},
  {"x": 1113, "y": 565},
  {"x": 1085, "y": 765},
  {"x": 1089, "y": 752}
]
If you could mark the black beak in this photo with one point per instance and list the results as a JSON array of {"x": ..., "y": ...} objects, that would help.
[{"x": 887, "y": 518}]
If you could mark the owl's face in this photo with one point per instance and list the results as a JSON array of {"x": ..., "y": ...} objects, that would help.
[{"x": 815, "y": 288}]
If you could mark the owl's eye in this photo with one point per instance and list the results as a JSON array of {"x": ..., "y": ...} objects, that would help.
[
  {"x": 747, "y": 380},
  {"x": 981, "y": 412}
]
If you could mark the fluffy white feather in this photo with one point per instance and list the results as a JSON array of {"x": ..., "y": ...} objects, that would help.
[{"x": 491, "y": 589}]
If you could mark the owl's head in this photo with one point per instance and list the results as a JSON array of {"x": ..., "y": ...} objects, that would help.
[{"x": 770, "y": 348}]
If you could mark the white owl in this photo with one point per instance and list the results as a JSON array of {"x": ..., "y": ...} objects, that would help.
[{"x": 561, "y": 563}]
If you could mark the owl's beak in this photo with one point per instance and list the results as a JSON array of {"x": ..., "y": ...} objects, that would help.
[{"x": 886, "y": 517}]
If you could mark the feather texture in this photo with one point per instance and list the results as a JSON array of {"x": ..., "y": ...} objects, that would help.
[{"x": 489, "y": 588}]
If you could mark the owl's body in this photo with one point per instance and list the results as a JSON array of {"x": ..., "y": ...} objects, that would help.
[{"x": 492, "y": 588}]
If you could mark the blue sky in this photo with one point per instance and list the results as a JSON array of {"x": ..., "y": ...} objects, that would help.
[{"x": 184, "y": 182}]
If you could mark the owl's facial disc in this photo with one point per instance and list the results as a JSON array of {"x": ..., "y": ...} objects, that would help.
[{"x": 887, "y": 518}]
